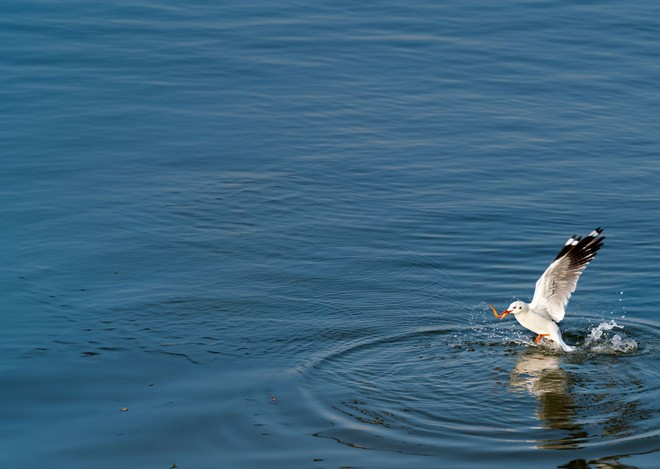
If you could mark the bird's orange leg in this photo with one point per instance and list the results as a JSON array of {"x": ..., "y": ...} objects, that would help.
[{"x": 538, "y": 337}]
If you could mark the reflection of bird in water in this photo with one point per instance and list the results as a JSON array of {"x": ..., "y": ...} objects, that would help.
[
  {"x": 542, "y": 376},
  {"x": 554, "y": 289}
]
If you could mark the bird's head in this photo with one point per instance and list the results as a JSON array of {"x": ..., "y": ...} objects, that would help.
[{"x": 515, "y": 308}]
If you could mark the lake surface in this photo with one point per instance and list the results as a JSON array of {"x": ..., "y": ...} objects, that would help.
[{"x": 266, "y": 234}]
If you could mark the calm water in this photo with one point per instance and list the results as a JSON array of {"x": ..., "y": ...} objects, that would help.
[{"x": 265, "y": 234}]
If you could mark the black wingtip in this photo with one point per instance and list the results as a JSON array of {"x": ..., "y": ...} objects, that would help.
[{"x": 582, "y": 250}]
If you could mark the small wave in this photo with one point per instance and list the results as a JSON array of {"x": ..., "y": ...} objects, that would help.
[{"x": 602, "y": 341}]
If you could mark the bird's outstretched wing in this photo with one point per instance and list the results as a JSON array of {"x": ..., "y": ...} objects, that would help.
[{"x": 559, "y": 280}]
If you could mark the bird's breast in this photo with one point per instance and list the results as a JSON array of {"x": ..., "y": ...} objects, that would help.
[{"x": 534, "y": 322}]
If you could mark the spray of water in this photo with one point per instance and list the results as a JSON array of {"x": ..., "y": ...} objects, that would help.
[{"x": 601, "y": 340}]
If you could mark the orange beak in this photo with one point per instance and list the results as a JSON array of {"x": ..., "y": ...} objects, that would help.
[{"x": 504, "y": 313}]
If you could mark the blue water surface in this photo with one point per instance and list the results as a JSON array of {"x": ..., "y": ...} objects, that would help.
[{"x": 265, "y": 234}]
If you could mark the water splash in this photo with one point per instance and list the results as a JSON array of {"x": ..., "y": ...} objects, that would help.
[{"x": 602, "y": 341}]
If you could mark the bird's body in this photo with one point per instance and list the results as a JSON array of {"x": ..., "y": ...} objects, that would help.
[{"x": 554, "y": 289}]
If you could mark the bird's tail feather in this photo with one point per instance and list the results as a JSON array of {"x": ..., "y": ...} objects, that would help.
[{"x": 566, "y": 348}]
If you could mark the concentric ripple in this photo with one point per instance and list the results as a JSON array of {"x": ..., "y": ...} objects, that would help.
[{"x": 441, "y": 390}]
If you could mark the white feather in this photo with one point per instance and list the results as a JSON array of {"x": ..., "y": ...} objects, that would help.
[{"x": 554, "y": 288}]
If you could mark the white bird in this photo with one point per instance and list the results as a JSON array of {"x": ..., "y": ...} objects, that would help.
[{"x": 554, "y": 289}]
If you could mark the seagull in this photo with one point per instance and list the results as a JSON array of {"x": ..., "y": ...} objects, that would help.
[{"x": 554, "y": 289}]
